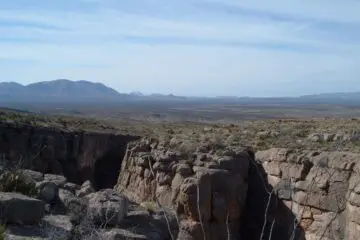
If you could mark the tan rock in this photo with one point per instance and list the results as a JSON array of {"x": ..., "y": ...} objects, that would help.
[
  {"x": 191, "y": 230},
  {"x": 272, "y": 168},
  {"x": 274, "y": 154},
  {"x": 354, "y": 199},
  {"x": 273, "y": 181},
  {"x": 306, "y": 223},
  {"x": 195, "y": 197}
]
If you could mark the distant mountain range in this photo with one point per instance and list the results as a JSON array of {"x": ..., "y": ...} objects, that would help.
[
  {"x": 57, "y": 90},
  {"x": 63, "y": 90}
]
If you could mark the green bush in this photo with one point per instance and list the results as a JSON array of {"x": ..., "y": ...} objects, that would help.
[{"x": 16, "y": 182}]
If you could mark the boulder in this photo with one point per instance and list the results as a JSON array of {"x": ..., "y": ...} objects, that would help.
[
  {"x": 47, "y": 191},
  {"x": 57, "y": 179},
  {"x": 18, "y": 208},
  {"x": 34, "y": 175},
  {"x": 106, "y": 207},
  {"x": 85, "y": 189},
  {"x": 57, "y": 227}
]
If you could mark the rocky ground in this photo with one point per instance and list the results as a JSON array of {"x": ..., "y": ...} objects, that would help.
[
  {"x": 285, "y": 179},
  {"x": 49, "y": 207}
]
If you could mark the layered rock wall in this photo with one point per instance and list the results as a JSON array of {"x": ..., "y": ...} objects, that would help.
[
  {"x": 79, "y": 156},
  {"x": 284, "y": 193},
  {"x": 207, "y": 190},
  {"x": 320, "y": 188}
]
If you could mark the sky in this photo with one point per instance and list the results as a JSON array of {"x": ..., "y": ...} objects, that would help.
[{"x": 185, "y": 47}]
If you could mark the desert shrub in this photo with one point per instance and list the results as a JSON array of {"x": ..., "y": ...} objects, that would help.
[
  {"x": 16, "y": 182},
  {"x": 217, "y": 142},
  {"x": 230, "y": 139},
  {"x": 149, "y": 206},
  {"x": 174, "y": 142},
  {"x": 302, "y": 133},
  {"x": 262, "y": 145},
  {"x": 2, "y": 231},
  {"x": 187, "y": 148}
]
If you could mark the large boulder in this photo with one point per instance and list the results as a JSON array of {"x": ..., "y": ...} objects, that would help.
[
  {"x": 18, "y": 208},
  {"x": 59, "y": 180},
  {"x": 33, "y": 175},
  {"x": 106, "y": 207}
]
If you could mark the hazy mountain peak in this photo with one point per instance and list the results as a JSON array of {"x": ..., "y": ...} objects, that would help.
[
  {"x": 59, "y": 90},
  {"x": 11, "y": 84}
]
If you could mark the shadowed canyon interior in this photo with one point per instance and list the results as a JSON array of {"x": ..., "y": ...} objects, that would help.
[{"x": 79, "y": 156}]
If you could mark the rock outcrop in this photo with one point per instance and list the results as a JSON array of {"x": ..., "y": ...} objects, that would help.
[
  {"x": 320, "y": 188},
  {"x": 105, "y": 214},
  {"x": 79, "y": 156},
  {"x": 207, "y": 188},
  {"x": 290, "y": 194},
  {"x": 106, "y": 207},
  {"x": 17, "y": 208}
]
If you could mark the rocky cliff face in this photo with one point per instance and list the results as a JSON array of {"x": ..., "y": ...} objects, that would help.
[
  {"x": 216, "y": 192},
  {"x": 207, "y": 188},
  {"x": 283, "y": 193},
  {"x": 319, "y": 188},
  {"x": 79, "y": 156}
]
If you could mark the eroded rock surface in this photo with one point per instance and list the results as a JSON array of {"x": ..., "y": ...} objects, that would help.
[
  {"x": 207, "y": 188},
  {"x": 320, "y": 188}
]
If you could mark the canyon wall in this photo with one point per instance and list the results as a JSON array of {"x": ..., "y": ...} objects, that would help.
[
  {"x": 320, "y": 188},
  {"x": 79, "y": 156},
  {"x": 207, "y": 188},
  {"x": 217, "y": 193},
  {"x": 285, "y": 194}
]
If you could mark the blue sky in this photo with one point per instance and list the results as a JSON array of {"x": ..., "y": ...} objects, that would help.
[{"x": 185, "y": 47}]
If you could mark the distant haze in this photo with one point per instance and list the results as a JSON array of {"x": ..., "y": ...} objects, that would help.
[{"x": 185, "y": 47}]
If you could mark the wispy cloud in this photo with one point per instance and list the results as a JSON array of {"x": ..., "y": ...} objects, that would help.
[{"x": 191, "y": 47}]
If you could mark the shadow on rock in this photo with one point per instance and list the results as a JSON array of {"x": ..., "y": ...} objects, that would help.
[{"x": 264, "y": 219}]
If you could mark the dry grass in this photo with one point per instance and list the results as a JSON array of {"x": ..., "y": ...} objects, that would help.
[{"x": 16, "y": 182}]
